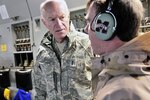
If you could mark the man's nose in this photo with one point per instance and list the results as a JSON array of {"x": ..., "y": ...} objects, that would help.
[{"x": 58, "y": 22}]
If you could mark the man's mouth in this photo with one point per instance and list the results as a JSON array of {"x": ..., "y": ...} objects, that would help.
[{"x": 59, "y": 30}]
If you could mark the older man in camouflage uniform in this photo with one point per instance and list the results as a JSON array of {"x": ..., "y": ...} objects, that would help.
[{"x": 62, "y": 70}]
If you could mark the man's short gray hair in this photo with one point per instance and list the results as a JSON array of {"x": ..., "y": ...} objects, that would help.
[{"x": 62, "y": 3}]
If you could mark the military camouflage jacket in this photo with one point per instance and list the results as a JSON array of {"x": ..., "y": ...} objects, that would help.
[
  {"x": 65, "y": 76},
  {"x": 125, "y": 73}
]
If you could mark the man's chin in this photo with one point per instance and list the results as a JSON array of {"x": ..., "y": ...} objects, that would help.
[{"x": 60, "y": 37}]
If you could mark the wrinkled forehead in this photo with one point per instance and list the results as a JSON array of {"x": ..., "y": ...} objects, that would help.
[{"x": 53, "y": 5}]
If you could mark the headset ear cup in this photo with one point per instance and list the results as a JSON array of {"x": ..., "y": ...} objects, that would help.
[{"x": 105, "y": 25}]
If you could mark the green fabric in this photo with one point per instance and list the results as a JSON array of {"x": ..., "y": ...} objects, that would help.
[{"x": 67, "y": 75}]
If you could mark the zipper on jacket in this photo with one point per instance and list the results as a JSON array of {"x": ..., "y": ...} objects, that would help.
[
  {"x": 55, "y": 80},
  {"x": 57, "y": 53}
]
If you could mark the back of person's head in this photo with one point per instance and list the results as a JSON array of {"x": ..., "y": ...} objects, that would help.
[
  {"x": 128, "y": 15},
  {"x": 50, "y": 3}
]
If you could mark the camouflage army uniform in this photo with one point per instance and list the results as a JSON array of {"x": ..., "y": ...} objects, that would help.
[
  {"x": 125, "y": 73},
  {"x": 65, "y": 76}
]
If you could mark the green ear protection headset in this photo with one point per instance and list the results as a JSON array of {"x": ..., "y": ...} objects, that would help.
[{"x": 105, "y": 23}]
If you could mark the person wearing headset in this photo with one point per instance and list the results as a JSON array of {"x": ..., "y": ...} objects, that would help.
[
  {"x": 62, "y": 70},
  {"x": 122, "y": 71}
]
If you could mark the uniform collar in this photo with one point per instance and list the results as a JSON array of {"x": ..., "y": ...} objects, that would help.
[{"x": 131, "y": 58}]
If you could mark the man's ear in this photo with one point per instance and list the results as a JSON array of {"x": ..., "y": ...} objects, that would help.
[
  {"x": 43, "y": 20},
  {"x": 71, "y": 27}
]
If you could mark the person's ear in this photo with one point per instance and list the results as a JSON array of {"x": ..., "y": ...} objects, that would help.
[{"x": 44, "y": 22}]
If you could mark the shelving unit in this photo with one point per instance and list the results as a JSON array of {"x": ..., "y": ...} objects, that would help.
[
  {"x": 23, "y": 59},
  {"x": 22, "y": 39},
  {"x": 78, "y": 20}
]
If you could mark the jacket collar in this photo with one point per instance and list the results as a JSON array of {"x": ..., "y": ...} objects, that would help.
[
  {"x": 131, "y": 58},
  {"x": 48, "y": 39}
]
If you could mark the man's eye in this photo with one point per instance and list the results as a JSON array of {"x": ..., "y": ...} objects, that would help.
[
  {"x": 51, "y": 19},
  {"x": 62, "y": 18}
]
